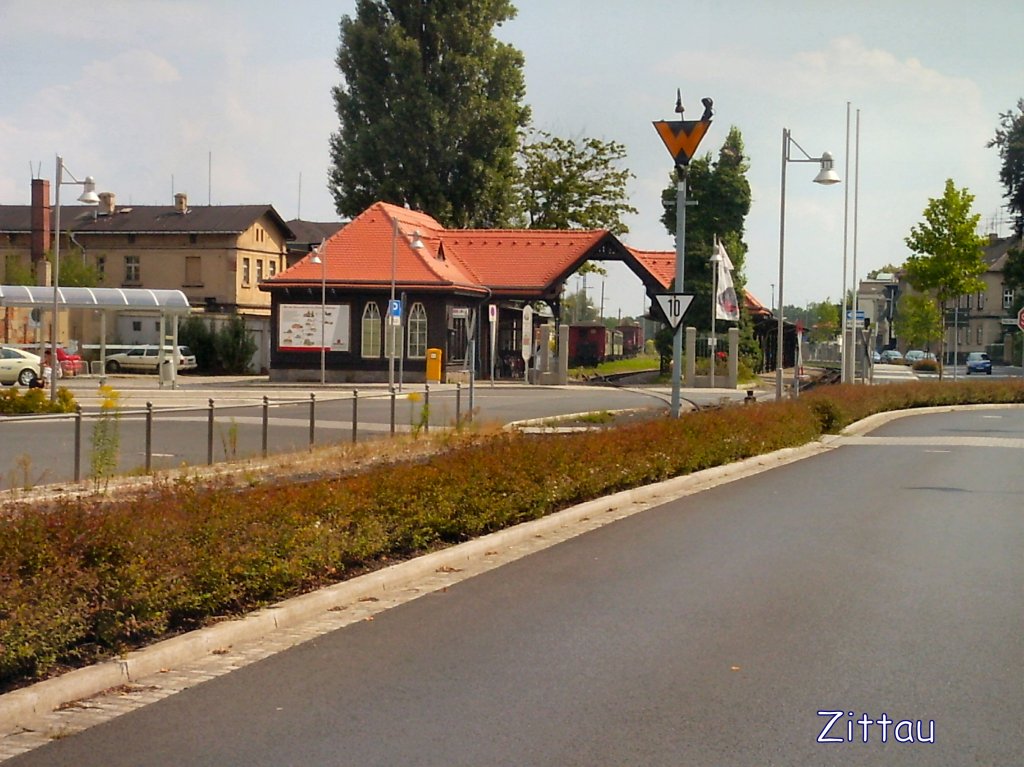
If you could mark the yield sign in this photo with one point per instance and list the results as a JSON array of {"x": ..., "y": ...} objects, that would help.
[
  {"x": 674, "y": 306},
  {"x": 682, "y": 137}
]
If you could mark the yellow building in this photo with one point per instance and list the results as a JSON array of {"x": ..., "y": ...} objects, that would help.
[{"x": 216, "y": 254}]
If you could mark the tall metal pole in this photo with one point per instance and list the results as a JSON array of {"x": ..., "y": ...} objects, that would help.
[
  {"x": 677, "y": 339},
  {"x": 853, "y": 276},
  {"x": 391, "y": 340},
  {"x": 715, "y": 259},
  {"x": 323, "y": 317},
  {"x": 779, "y": 348},
  {"x": 844, "y": 357},
  {"x": 55, "y": 280}
]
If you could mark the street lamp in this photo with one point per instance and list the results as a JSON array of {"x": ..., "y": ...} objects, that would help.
[
  {"x": 393, "y": 323},
  {"x": 826, "y": 176},
  {"x": 317, "y": 259},
  {"x": 89, "y": 197}
]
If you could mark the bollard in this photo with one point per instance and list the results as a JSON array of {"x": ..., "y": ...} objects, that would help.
[
  {"x": 209, "y": 434},
  {"x": 149, "y": 436},
  {"x": 458, "y": 404},
  {"x": 78, "y": 442},
  {"x": 312, "y": 420},
  {"x": 392, "y": 411},
  {"x": 266, "y": 422},
  {"x": 426, "y": 408},
  {"x": 355, "y": 414}
]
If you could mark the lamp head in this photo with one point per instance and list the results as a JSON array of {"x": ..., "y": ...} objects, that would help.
[
  {"x": 316, "y": 258},
  {"x": 827, "y": 175},
  {"x": 89, "y": 196},
  {"x": 417, "y": 241}
]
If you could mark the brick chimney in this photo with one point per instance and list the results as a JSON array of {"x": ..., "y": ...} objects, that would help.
[
  {"x": 41, "y": 211},
  {"x": 108, "y": 203}
]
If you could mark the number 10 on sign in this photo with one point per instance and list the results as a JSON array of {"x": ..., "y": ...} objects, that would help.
[{"x": 674, "y": 306}]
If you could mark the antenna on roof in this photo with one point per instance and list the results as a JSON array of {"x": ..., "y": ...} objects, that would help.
[
  {"x": 209, "y": 178},
  {"x": 299, "y": 214}
]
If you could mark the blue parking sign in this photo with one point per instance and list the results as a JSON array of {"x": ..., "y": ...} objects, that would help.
[{"x": 395, "y": 309}]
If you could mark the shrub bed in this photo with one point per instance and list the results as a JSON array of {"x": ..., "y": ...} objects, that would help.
[{"x": 85, "y": 579}]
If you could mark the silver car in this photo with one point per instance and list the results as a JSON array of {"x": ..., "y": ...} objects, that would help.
[{"x": 145, "y": 359}]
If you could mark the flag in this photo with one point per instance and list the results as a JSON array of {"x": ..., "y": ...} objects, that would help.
[{"x": 726, "y": 305}]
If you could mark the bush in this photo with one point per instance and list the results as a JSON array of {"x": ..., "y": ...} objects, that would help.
[
  {"x": 82, "y": 580},
  {"x": 15, "y": 401}
]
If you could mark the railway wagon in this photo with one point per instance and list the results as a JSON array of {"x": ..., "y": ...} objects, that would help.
[
  {"x": 591, "y": 343},
  {"x": 632, "y": 339}
]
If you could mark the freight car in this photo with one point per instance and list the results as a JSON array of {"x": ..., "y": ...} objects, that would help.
[
  {"x": 632, "y": 339},
  {"x": 592, "y": 343}
]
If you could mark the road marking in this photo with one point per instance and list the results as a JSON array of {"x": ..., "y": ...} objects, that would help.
[{"x": 933, "y": 441}]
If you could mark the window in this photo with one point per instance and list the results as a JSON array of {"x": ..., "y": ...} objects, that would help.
[
  {"x": 245, "y": 271},
  {"x": 193, "y": 270},
  {"x": 137, "y": 326},
  {"x": 979, "y": 336},
  {"x": 968, "y": 300},
  {"x": 132, "y": 269},
  {"x": 259, "y": 270},
  {"x": 101, "y": 266},
  {"x": 981, "y": 299},
  {"x": 273, "y": 268},
  {"x": 418, "y": 332},
  {"x": 370, "y": 341},
  {"x": 1007, "y": 298}
]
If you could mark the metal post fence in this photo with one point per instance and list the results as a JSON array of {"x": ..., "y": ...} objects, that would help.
[
  {"x": 78, "y": 443},
  {"x": 355, "y": 415},
  {"x": 209, "y": 434},
  {"x": 458, "y": 404},
  {"x": 149, "y": 436},
  {"x": 312, "y": 420},
  {"x": 266, "y": 423},
  {"x": 425, "y": 415},
  {"x": 392, "y": 411}
]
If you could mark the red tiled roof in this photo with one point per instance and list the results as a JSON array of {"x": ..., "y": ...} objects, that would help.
[
  {"x": 661, "y": 264},
  {"x": 477, "y": 260}
]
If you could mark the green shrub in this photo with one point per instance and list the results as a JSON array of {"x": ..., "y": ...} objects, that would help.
[
  {"x": 83, "y": 580},
  {"x": 15, "y": 401}
]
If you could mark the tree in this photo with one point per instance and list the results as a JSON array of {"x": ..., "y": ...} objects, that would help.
[
  {"x": 1009, "y": 139},
  {"x": 722, "y": 193},
  {"x": 823, "y": 321},
  {"x": 234, "y": 346},
  {"x": 573, "y": 184},
  {"x": 947, "y": 250},
  {"x": 577, "y": 307},
  {"x": 430, "y": 110},
  {"x": 917, "y": 321}
]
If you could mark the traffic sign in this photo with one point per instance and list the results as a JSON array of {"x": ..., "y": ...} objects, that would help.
[
  {"x": 682, "y": 137},
  {"x": 1020, "y": 318},
  {"x": 674, "y": 306},
  {"x": 395, "y": 312}
]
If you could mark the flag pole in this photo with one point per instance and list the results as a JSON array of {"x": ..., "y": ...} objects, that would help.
[{"x": 714, "y": 307}]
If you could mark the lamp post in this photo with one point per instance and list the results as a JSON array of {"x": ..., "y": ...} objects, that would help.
[
  {"x": 393, "y": 323},
  {"x": 89, "y": 197},
  {"x": 826, "y": 176},
  {"x": 322, "y": 260}
]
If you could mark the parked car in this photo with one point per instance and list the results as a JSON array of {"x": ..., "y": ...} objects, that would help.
[
  {"x": 145, "y": 359},
  {"x": 979, "y": 362},
  {"x": 891, "y": 356},
  {"x": 18, "y": 366}
]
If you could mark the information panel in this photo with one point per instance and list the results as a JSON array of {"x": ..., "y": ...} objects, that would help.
[{"x": 299, "y": 327}]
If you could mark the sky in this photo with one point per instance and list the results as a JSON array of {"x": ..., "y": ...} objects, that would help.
[{"x": 230, "y": 102}]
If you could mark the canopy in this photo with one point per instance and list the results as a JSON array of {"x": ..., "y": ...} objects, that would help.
[{"x": 133, "y": 299}]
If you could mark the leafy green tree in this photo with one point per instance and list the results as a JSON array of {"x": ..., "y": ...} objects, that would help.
[
  {"x": 573, "y": 184},
  {"x": 196, "y": 334},
  {"x": 234, "y": 346},
  {"x": 946, "y": 258},
  {"x": 76, "y": 271},
  {"x": 722, "y": 193},
  {"x": 16, "y": 272},
  {"x": 577, "y": 307},
  {"x": 1009, "y": 139},
  {"x": 430, "y": 110},
  {"x": 917, "y": 321},
  {"x": 823, "y": 321}
]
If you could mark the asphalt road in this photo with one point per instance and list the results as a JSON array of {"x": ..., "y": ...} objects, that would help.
[
  {"x": 880, "y": 581},
  {"x": 41, "y": 451}
]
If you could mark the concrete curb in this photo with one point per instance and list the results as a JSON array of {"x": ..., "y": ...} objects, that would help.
[{"x": 20, "y": 707}]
